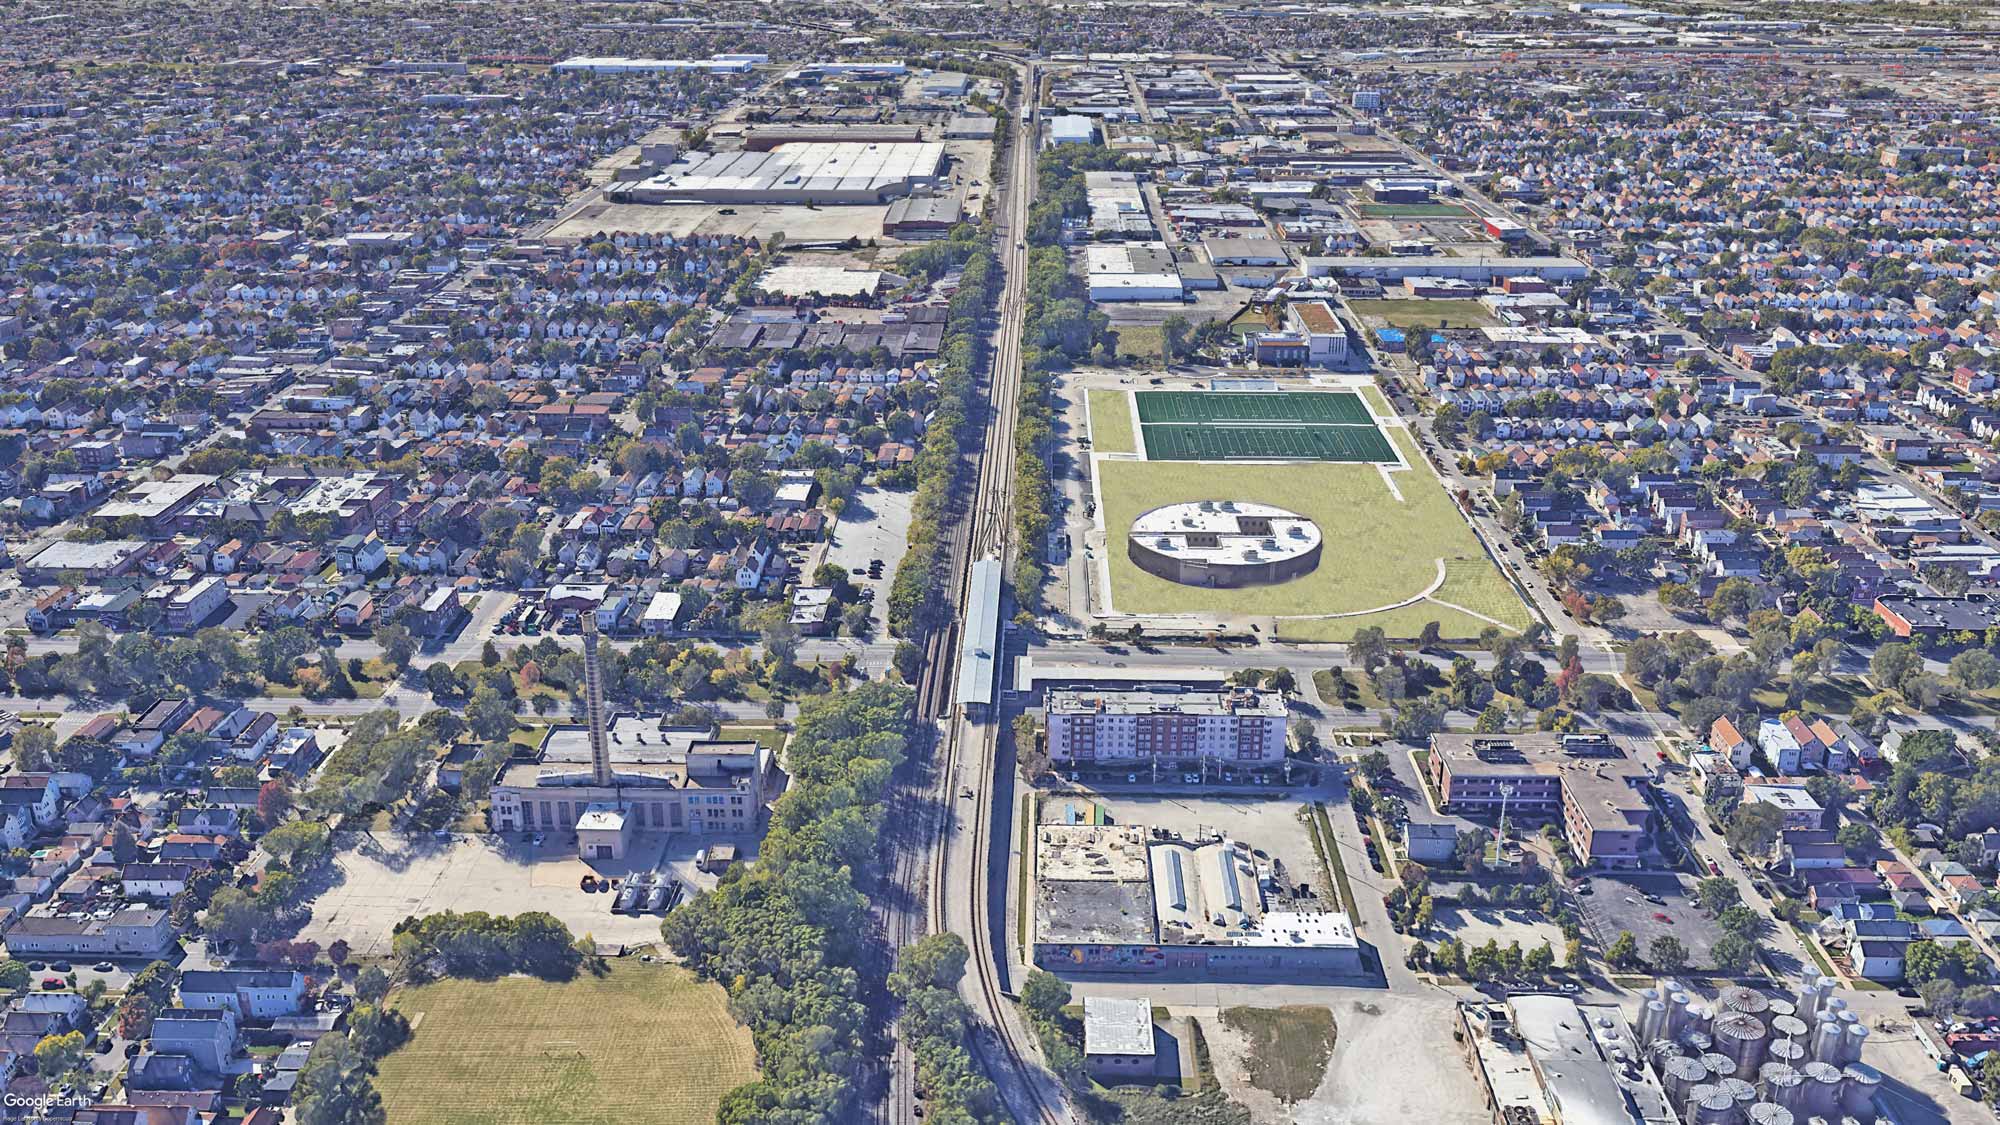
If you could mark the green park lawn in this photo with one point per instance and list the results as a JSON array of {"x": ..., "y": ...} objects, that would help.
[
  {"x": 641, "y": 1043},
  {"x": 1377, "y": 550},
  {"x": 1111, "y": 422},
  {"x": 1422, "y": 312}
]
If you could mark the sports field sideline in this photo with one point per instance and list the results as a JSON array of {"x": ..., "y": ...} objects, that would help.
[{"x": 1259, "y": 426}]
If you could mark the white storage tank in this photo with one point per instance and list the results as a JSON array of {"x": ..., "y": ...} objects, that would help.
[
  {"x": 1852, "y": 1042},
  {"x": 1783, "y": 1084},
  {"x": 1741, "y": 1036},
  {"x": 1710, "y": 1105},
  {"x": 1680, "y": 1076}
]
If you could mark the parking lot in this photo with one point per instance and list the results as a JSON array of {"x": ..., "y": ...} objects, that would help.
[
  {"x": 384, "y": 879},
  {"x": 1617, "y": 903},
  {"x": 874, "y": 525}
]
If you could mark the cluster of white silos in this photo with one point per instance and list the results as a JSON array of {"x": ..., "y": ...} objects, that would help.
[{"x": 1755, "y": 1059}]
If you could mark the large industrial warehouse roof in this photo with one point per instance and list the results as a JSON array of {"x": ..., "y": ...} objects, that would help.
[{"x": 829, "y": 167}]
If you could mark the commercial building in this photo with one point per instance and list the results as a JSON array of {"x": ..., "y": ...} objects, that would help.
[
  {"x": 93, "y": 562},
  {"x": 187, "y": 609},
  {"x": 923, "y": 216},
  {"x": 1118, "y": 1039},
  {"x": 1224, "y": 544},
  {"x": 814, "y": 172},
  {"x": 1239, "y": 727},
  {"x": 1245, "y": 252},
  {"x": 1072, "y": 129},
  {"x": 1118, "y": 206},
  {"x": 1916, "y": 616},
  {"x": 1543, "y": 1057},
  {"x": 1369, "y": 100},
  {"x": 970, "y": 127},
  {"x": 1794, "y": 804},
  {"x": 1586, "y": 781},
  {"x": 257, "y": 994},
  {"x": 133, "y": 931},
  {"x": 1132, "y": 271},
  {"x": 1110, "y": 898},
  {"x": 1316, "y": 327}
]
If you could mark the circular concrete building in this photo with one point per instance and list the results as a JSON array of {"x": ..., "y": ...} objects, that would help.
[{"x": 1224, "y": 543}]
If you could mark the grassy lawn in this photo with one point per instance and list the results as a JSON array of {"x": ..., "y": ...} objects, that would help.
[
  {"x": 642, "y": 1043},
  {"x": 1378, "y": 401},
  {"x": 1141, "y": 341},
  {"x": 769, "y": 737},
  {"x": 1289, "y": 1047},
  {"x": 1111, "y": 422},
  {"x": 1476, "y": 585},
  {"x": 1377, "y": 550},
  {"x": 1420, "y": 312}
]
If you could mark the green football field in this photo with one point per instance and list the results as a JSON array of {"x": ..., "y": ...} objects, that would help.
[{"x": 1259, "y": 426}]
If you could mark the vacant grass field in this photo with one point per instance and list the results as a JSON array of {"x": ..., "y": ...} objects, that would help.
[
  {"x": 1111, "y": 423},
  {"x": 1411, "y": 211},
  {"x": 1422, "y": 312},
  {"x": 1476, "y": 585},
  {"x": 1289, "y": 1047},
  {"x": 642, "y": 1043},
  {"x": 1140, "y": 341}
]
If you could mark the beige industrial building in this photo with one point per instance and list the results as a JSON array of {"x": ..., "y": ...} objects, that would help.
[
  {"x": 612, "y": 779},
  {"x": 808, "y": 172}
]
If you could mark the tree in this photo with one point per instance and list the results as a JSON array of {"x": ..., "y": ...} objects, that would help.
[
  {"x": 1624, "y": 951},
  {"x": 1735, "y": 597},
  {"x": 233, "y": 915},
  {"x": 1754, "y": 828},
  {"x": 490, "y": 715},
  {"x": 934, "y": 961},
  {"x": 1541, "y": 960},
  {"x": 1717, "y": 894},
  {"x": 1369, "y": 648},
  {"x": 334, "y": 1087},
  {"x": 1858, "y": 840},
  {"x": 1732, "y": 953},
  {"x": 371, "y": 985},
  {"x": 1975, "y": 669},
  {"x": 1667, "y": 954},
  {"x": 59, "y": 1054},
  {"x": 34, "y": 746},
  {"x": 398, "y": 645},
  {"x": 1044, "y": 995},
  {"x": 14, "y": 975},
  {"x": 1374, "y": 766},
  {"x": 1894, "y": 663}
]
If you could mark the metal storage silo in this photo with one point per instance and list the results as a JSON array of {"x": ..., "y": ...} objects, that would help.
[
  {"x": 1740, "y": 1092},
  {"x": 1852, "y": 1042},
  {"x": 1709, "y": 1105},
  {"x": 1652, "y": 1020},
  {"x": 1812, "y": 995},
  {"x": 1737, "y": 998},
  {"x": 1680, "y": 1076},
  {"x": 1783, "y": 1084},
  {"x": 1859, "y": 1083},
  {"x": 1781, "y": 1006},
  {"x": 1767, "y": 1113},
  {"x": 1696, "y": 1042},
  {"x": 1788, "y": 1027},
  {"x": 1822, "y": 1088},
  {"x": 1741, "y": 1036},
  {"x": 1826, "y": 1038},
  {"x": 1677, "y": 1003},
  {"x": 1721, "y": 1066},
  {"x": 1660, "y": 1050},
  {"x": 1791, "y": 1052}
]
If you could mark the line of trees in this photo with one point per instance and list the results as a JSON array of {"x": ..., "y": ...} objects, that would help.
[
  {"x": 1060, "y": 329},
  {"x": 790, "y": 937},
  {"x": 914, "y": 603}
]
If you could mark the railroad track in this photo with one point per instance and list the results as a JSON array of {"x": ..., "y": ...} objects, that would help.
[{"x": 983, "y": 531}]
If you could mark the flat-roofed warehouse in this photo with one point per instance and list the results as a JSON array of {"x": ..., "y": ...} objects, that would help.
[{"x": 816, "y": 172}]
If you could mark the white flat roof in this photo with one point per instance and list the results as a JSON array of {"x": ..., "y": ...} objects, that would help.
[
  {"x": 801, "y": 166},
  {"x": 1226, "y": 531}
]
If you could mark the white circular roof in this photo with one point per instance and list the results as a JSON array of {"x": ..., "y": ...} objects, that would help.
[{"x": 1226, "y": 532}]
